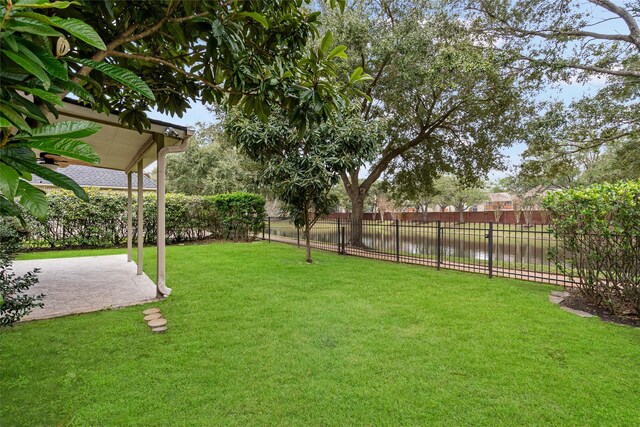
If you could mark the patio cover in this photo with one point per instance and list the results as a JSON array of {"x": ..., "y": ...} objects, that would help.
[{"x": 124, "y": 149}]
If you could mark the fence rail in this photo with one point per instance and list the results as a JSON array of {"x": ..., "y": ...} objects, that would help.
[{"x": 505, "y": 250}]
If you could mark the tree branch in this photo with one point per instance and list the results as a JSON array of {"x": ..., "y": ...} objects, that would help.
[
  {"x": 634, "y": 29},
  {"x": 592, "y": 68},
  {"x": 147, "y": 58}
]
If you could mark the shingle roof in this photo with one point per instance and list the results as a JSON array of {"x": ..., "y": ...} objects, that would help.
[{"x": 87, "y": 176}]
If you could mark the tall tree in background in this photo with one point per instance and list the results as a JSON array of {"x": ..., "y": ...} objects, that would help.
[
  {"x": 448, "y": 103},
  {"x": 572, "y": 41},
  {"x": 211, "y": 165}
]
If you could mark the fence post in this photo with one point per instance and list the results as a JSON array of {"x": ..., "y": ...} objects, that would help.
[
  {"x": 343, "y": 251},
  {"x": 438, "y": 245},
  {"x": 490, "y": 236},
  {"x": 269, "y": 228},
  {"x": 397, "y": 240},
  {"x": 339, "y": 250},
  {"x": 298, "y": 235},
  {"x": 263, "y": 227}
]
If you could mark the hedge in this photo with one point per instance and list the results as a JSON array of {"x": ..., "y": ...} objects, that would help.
[
  {"x": 598, "y": 228},
  {"x": 103, "y": 222}
]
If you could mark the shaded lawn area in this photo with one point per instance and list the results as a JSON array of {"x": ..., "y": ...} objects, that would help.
[{"x": 258, "y": 337}]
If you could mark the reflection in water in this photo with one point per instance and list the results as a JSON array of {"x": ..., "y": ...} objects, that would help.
[{"x": 524, "y": 250}]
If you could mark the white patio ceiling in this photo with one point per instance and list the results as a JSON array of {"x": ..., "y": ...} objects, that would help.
[{"x": 117, "y": 146}]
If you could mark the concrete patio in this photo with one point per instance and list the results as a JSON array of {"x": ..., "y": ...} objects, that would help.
[{"x": 86, "y": 284}]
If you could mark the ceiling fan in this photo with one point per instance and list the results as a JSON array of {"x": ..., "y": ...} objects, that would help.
[{"x": 54, "y": 161}]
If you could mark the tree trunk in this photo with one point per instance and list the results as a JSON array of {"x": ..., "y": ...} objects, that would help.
[
  {"x": 461, "y": 216},
  {"x": 357, "y": 205}
]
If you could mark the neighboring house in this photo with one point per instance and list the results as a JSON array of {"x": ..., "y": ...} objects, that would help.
[
  {"x": 104, "y": 179},
  {"x": 498, "y": 201}
]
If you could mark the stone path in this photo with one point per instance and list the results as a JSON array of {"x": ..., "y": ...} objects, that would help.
[{"x": 86, "y": 284}]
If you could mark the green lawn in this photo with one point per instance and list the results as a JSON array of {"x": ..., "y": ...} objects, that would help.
[{"x": 258, "y": 337}]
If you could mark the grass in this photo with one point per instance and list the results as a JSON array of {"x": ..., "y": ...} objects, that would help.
[
  {"x": 72, "y": 253},
  {"x": 258, "y": 337}
]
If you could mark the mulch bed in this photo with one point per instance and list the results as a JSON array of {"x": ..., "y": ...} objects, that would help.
[{"x": 579, "y": 303}]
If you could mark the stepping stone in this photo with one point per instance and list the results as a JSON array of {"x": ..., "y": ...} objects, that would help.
[
  {"x": 155, "y": 323},
  {"x": 577, "y": 312},
  {"x": 561, "y": 294},
  {"x": 152, "y": 316},
  {"x": 160, "y": 329},
  {"x": 151, "y": 311},
  {"x": 555, "y": 299}
]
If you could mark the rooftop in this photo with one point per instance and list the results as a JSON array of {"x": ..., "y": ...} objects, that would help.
[{"x": 87, "y": 176}]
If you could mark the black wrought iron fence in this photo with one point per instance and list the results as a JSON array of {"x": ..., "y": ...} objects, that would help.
[{"x": 506, "y": 250}]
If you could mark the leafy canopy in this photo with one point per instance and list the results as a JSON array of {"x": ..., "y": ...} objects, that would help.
[{"x": 33, "y": 80}]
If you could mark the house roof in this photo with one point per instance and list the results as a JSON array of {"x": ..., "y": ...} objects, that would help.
[
  {"x": 500, "y": 197},
  {"x": 87, "y": 176}
]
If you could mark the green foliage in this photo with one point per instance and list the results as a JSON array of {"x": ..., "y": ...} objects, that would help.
[
  {"x": 446, "y": 103},
  {"x": 450, "y": 191},
  {"x": 28, "y": 67},
  {"x": 301, "y": 169},
  {"x": 599, "y": 230},
  {"x": 249, "y": 54},
  {"x": 211, "y": 165},
  {"x": 561, "y": 42},
  {"x": 15, "y": 302},
  {"x": 239, "y": 215},
  {"x": 71, "y": 222}
]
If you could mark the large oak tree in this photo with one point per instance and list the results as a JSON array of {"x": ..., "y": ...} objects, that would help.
[{"x": 448, "y": 102}]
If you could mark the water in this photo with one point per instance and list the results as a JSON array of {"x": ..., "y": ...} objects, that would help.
[{"x": 511, "y": 248}]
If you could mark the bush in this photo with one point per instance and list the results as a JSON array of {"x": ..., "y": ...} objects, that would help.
[
  {"x": 598, "y": 228},
  {"x": 103, "y": 222},
  {"x": 14, "y": 303},
  {"x": 240, "y": 214}
]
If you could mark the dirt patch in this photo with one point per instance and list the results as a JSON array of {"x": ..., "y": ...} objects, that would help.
[{"x": 577, "y": 302}]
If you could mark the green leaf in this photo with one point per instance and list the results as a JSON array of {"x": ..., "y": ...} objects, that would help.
[
  {"x": 326, "y": 42},
  {"x": 14, "y": 117},
  {"x": 80, "y": 30},
  {"x": 120, "y": 75},
  {"x": 27, "y": 108},
  {"x": 43, "y": 94},
  {"x": 52, "y": 65},
  {"x": 9, "y": 208},
  {"x": 29, "y": 65},
  {"x": 339, "y": 52},
  {"x": 9, "y": 178},
  {"x": 67, "y": 147},
  {"x": 31, "y": 26},
  {"x": 11, "y": 41},
  {"x": 256, "y": 17},
  {"x": 66, "y": 129},
  {"x": 73, "y": 26},
  {"x": 32, "y": 199},
  {"x": 53, "y": 5},
  {"x": 77, "y": 90},
  {"x": 52, "y": 176},
  {"x": 4, "y": 123}
]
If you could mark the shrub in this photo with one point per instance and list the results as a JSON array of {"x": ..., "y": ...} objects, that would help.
[
  {"x": 14, "y": 302},
  {"x": 240, "y": 214},
  {"x": 103, "y": 222},
  {"x": 598, "y": 228}
]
